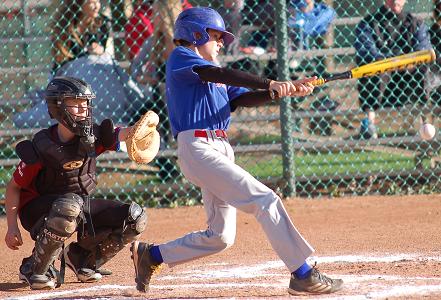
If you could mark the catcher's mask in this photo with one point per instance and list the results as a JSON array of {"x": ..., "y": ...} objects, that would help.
[{"x": 58, "y": 91}]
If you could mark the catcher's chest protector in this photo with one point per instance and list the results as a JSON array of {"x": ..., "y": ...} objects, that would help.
[{"x": 67, "y": 168}]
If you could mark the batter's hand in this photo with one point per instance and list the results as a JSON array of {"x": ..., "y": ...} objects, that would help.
[
  {"x": 303, "y": 87},
  {"x": 282, "y": 88},
  {"x": 13, "y": 239}
]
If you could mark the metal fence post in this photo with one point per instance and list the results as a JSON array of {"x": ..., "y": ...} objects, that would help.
[{"x": 285, "y": 103}]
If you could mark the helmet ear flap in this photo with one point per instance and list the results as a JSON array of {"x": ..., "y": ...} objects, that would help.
[
  {"x": 200, "y": 36},
  {"x": 191, "y": 32}
]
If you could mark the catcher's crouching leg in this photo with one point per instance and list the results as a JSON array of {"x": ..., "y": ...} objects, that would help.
[
  {"x": 132, "y": 228},
  {"x": 94, "y": 252},
  {"x": 59, "y": 225}
]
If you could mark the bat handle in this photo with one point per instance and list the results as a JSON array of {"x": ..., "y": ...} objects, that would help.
[{"x": 318, "y": 82}]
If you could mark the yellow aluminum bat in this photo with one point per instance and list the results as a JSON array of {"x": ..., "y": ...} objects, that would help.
[{"x": 401, "y": 62}]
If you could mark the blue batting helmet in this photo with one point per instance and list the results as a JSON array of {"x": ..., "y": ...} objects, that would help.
[{"x": 198, "y": 20}]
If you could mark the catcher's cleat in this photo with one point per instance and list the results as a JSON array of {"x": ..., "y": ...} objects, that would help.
[
  {"x": 37, "y": 281},
  {"x": 315, "y": 283},
  {"x": 83, "y": 274},
  {"x": 145, "y": 266}
]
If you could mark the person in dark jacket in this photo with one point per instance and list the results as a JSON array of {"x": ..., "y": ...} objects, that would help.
[{"x": 388, "y": 32}]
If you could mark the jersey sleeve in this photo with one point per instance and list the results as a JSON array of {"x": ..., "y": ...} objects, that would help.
[
  {"x": 234, "y": 92},
  {"x": 25, "y": 174},
  {"x": 183, "y": 61}
]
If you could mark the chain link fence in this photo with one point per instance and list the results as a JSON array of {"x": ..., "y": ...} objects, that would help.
[{"x": 348, "y": 137}]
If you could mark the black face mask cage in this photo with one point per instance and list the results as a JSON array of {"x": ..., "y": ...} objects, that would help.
[{"x": 80, "y": 127}]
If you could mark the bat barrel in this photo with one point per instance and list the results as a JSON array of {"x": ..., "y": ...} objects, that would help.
[{"x": 403, "y": 62}]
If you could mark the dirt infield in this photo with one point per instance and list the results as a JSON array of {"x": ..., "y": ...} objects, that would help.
[{"x": 383, "y": 247}]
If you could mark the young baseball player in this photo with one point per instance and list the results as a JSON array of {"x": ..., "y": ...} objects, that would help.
[
  {"x": 50, "y": 191},
  {"x": 200, "y": 98}
]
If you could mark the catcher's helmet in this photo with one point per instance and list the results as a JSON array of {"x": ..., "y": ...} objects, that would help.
[
  {"x": 62, "y": 88},
  {"x": 198, "y": 20}
]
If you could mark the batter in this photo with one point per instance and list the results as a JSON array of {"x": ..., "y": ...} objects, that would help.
[{"x": 200, "y": 98}]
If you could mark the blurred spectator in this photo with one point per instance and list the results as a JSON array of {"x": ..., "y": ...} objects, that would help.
[
  {"x": 80, "y": 36},
  {"x": 309, "y": 22},
  {"x": 230, "y": 11},
  {"x": 434, "y": 77},
  {"x": 118, "y": 97},
  {"x": 389, "y": 32},
  {"x": 79, "y": 29},
  {"x": 148, "y": 67},
  {"x": 139, "y": 27},
  {"x": 260, "y": 14}
]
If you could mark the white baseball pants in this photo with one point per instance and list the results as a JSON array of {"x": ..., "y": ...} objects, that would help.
[{"x": 209, "y": 164}]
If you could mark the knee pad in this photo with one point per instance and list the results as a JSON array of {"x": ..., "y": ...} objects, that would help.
[
  {"x": 64, "y": 214},
  {"x": 135, "y": 223}
]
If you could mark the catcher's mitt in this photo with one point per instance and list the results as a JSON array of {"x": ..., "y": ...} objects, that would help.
[{"x": 143, "y": 139}]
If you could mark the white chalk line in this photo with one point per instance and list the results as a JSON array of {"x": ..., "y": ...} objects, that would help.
[
  {"x": 55, "y": 294},
  {"x": 374, "y": 258},
  {"x": 406, "y": 286},
  {"x": 389, "y": 291},
  {"x": 258, "y": 270}
]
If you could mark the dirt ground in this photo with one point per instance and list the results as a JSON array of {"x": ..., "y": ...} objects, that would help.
[{"x": 383, "y": 247}]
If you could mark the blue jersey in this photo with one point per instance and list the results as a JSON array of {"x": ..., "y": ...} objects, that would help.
[{"x": 191, "y": 102}]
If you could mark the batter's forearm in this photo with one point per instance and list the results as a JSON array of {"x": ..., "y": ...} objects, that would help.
[
  {"x": 251, "y": 99},
  {"x": 232, "y": 77}
]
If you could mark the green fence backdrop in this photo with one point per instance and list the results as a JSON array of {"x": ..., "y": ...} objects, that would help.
[{"x": 321, "y": 144}]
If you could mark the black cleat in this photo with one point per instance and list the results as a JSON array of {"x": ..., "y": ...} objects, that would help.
[
  {"x": 37, "y": 281},
  {"x": 73, "y": 260}
]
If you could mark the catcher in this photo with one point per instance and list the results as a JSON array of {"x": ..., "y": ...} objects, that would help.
[{"x": 51, "y": 189}]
